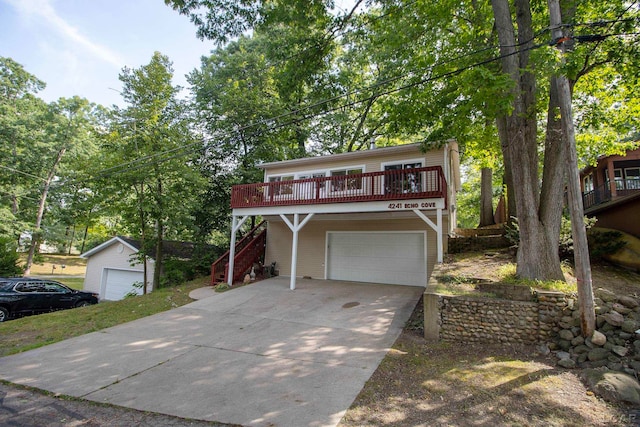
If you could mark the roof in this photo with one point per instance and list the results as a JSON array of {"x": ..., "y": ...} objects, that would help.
[
  {"x": 171, "y": 248},
  {"x": 380, "y": 151},
  {"x": 130, "y": 243}
]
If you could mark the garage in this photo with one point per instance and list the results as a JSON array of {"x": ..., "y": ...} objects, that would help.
[
  {"x": 397, "y": 258},
  {"x": 118, "y": 283}
]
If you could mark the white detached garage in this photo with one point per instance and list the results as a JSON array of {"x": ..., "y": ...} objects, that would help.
[{"x": 113, "y": 271}]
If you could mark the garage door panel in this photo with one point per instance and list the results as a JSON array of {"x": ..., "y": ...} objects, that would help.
[
  {"x": 118, "y": 283},
  {"x": 395, "y": 258}
]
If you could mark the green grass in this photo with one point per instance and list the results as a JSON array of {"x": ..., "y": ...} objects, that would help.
[
  {"x": 507, "y": 274},
  {"x": 72, "y": 282},
  {"x": 44, "y": 265},
  {"x": 36, "y": 331}
]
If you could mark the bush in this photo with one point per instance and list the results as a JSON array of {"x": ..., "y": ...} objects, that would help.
[
  {"x": 604, "y": 242},
  {"x": 9, "y": 258},
  {"x": 565, "y": 240}
]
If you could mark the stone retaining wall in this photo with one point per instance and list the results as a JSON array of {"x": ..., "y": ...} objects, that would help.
[{"x": 477, "y": 319}]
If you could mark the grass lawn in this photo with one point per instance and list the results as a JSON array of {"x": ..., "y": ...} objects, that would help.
[
  {"x": 36, "y": 331},
  {"x": 45, "y": 263},
  {"x": 72, "y": 282}
]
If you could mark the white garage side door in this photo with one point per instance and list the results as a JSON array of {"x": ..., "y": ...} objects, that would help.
[
  {"x": 119, "y": 283},
  {"x": 392, "y": 258}
]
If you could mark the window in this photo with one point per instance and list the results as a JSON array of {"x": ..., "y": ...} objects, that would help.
[
  {"x": 632, "y": 178},
  {"x": 284, "y": 188},
  {"x": 314, "y": 175},
  {"x": 54, "y": 288},
  {"x": 588, "y": 183},
  {"x": 30, "y": 287},
  {"x": 617, "y": 176},
  {"x": 617, "y": 173},
  {"x": 341, "y": 180},
  {"x": 405, "y": 180}
]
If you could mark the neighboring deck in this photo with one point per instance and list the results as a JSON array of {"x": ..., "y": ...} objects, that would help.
[
  {"x": 391, "y": 185},
  {"x": 602, "y": 194}
]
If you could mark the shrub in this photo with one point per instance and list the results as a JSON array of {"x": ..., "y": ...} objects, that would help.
[
  {"x": 9, "y": 258},
  {"x": 604, "y": 242},
  {"x": 565, "y": 240}
]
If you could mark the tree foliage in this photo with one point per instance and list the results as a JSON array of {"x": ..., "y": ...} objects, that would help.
[{"x": 149, "y": 166}]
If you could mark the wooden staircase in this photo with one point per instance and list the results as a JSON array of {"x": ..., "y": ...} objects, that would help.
[{"x": 249, "y": 250}]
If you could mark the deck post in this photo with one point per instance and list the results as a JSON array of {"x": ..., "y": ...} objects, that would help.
[
  {"x": 437, "y": 227},
  {"x": 235, "y": 226},
  {"x": 295, "y": 228}
]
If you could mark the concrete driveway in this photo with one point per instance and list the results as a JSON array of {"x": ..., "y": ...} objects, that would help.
[{"x": 259, "y": 355}]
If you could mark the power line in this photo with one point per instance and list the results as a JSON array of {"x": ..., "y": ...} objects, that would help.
[
  {"x": 22, "y": 173},
  {"x": 159, "y": 157}
]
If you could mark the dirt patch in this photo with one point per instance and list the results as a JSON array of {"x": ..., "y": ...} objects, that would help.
[{"x": 422, "y": 383}]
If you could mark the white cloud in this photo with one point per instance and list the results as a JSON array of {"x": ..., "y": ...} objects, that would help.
[{"x": 44, "y": 9}]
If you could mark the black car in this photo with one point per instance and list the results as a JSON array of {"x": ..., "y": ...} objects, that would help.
[{"x": 22, "y": 296}]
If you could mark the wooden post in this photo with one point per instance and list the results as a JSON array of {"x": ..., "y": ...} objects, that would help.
[{"x": 578, "y": 230}]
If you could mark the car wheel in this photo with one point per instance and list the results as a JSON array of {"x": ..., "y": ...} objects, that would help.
[
  {"x": 82, "y": 303},
  {"x": 4, "y": 314}
]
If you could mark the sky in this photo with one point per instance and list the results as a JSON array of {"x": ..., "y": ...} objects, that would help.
[{"x": 78, "y": 47}]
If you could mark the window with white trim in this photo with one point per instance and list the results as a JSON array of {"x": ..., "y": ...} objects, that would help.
[
  {"x": 405, "y": 180},
  {"x": 617, "y": 174},
  {"x": 588, "y": 183},
  {"x": 282, "y": 188},
  {"x": 632, "y": 178},
  {"x": 348, "y": 182}
]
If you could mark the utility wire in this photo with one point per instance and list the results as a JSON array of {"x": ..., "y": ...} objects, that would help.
[
  {"x": 273, "y": 124},
  {"x": 159, "y": 157}
]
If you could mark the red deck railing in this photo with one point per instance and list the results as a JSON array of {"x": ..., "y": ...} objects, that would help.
[{"x": 401, "y": 184}]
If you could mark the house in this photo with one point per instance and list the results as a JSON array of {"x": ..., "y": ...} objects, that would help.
[
  {"x": 380, "y": 215},
  {"x": 113, "y": 269},
  {"x": 611, "y": 192}
]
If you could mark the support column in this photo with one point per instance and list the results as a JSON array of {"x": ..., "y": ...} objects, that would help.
[
  {"x": 612, "y": 178},
  {"x": 235, "y": 226},
  {"x": 295, "y": 228},
  {"x": 437, "y": 227}
]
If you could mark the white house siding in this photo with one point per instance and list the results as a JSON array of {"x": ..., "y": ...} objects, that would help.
[
  {"x": 312, "y": 240},
  {"x": 109, "y": 257}
]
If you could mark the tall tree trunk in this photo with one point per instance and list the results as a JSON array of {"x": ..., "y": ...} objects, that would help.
[
  {"x": 578, "y": 231},
  {"x": 84, "y": 238},
  {"x": 511, "y": 210},
  {"x": 157, "y": 267},
  {"x": 36, "y": 235},
  {"x": 537, "y": 252},
  {"x": 486, "y": 197},
  {"x": 73, "y": 236}
]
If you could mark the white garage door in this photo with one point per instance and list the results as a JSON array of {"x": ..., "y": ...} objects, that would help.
[
  {"x": 394, "y": 258},
  {"x": 119, "y": 283}
]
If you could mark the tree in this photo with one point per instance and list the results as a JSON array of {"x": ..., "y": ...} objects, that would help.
[
  {"x": 20, "y": 113},
  {"x": 9, "y": 258},
  {"x": 480, "y": 73},
  {"x": 66, "y": 129},
  {"x": 151, "y": 161}
]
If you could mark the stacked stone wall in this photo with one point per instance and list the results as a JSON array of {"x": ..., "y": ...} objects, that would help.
[
  {"x": 488, "y": 320},
  {"x": 551, "y": 319}
]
